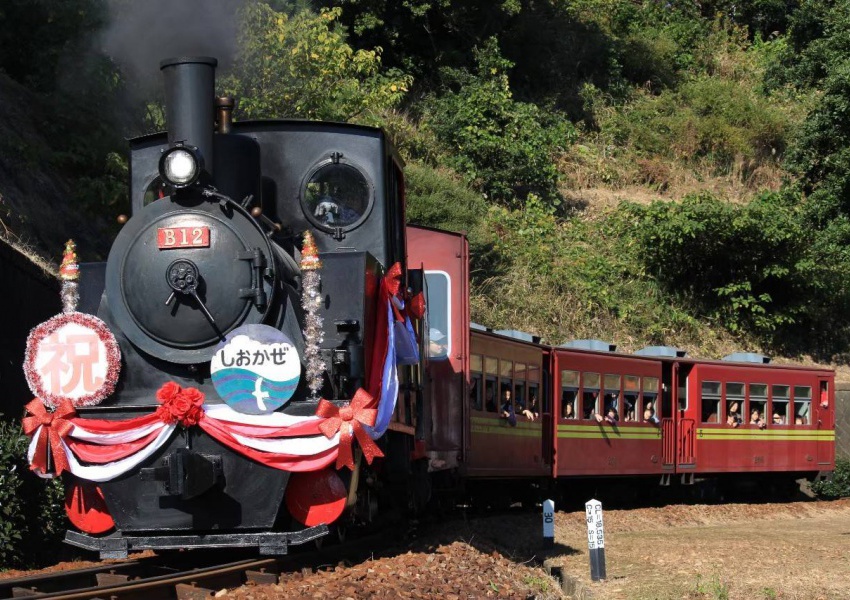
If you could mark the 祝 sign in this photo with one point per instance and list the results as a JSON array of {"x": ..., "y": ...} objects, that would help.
[
  {"x": 256, "y": 370},
  {"x": 72, "y": 356}
]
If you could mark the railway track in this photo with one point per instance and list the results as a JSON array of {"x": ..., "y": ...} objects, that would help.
[{"x": 180, "y": 576}]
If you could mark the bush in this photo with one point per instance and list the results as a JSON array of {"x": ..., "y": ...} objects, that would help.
[
  {"x": 839, "y": 485},
  {"x": 32, "y": 518},
  {"x": 746, "y": 266},
  {"x": 504, "y": 147}
]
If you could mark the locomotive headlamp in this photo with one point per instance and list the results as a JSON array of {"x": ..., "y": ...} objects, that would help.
[{"x": 181, "y": 165}]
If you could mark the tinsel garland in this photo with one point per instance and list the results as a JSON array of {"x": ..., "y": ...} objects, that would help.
[
  {"x": 311, "y": 300},
  {"x": 69, "y": 273},
  {"x": 113, "y": 358}
]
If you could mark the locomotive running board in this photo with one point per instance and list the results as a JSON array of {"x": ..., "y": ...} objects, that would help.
[{"x": 270, "y": 544}]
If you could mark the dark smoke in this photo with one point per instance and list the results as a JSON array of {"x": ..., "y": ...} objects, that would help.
[{"x": 143, "y": 32}]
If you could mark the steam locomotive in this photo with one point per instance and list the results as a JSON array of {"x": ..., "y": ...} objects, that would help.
[{"x": 212, "y": 250}]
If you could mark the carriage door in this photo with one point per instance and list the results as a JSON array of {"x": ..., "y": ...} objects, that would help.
[
  {"x": 668, "y": 421},
  {"x": 825, "y": 420},
  {"x": 686, "y": 439}
]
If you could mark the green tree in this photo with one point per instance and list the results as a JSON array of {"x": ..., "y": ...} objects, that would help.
[
  {"x": 505, "y": 147},
  {"x": 302, "y": 66}
]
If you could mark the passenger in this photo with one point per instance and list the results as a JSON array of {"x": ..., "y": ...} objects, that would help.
[
  {"x": 630, "y": 414},
  {"x": 733, "y": 418},
  {"x": 436, "y": 342},
  {"x": 568, "y": 411},
  {"x": 755, "y": 419},
  {"x": 611, "y": 416},
  {"x": 533, "y": 411},
  {"x": 777, "y": 419},
  {"x": 649, "y": 414},
  {"x": 798, "y": 420},
  {"x": 508, "y": 408}
]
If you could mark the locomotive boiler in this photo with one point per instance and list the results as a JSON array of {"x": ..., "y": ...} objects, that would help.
[{"x": 214, "y": 249}]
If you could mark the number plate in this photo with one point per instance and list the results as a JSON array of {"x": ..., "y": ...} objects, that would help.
[{"x": 182, "y": 237}]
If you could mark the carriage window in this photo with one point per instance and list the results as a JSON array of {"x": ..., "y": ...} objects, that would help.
[
  {"x": 534, "y": 399},
  {"x": 682, "y": 393},
  {"x": 758, "y": 402},
  {"x": 519, "y": 386},
  {"x": 476, "y": 367},
  {"x": 519, "y": 395},
  {"x": 611, "y": 400},
  {"x": 533, "y": 384},
  {"x": 781, "y": 399},
  {"x": 475, "y": 392},
  {"x": 734, "y": 403},
  {"x": 650, "y": 400},
  {"x": 631, "y": 394},
  {"x": 590, "y": 395},
  {"x": 490, "y": 394},
  {"x": 337, "y": 195},
  {"x": 710, "y": 396},
  {"x": 802, "y": 405},
  {"x": 438, "y": 294},
  {"x": 780, "y": 403},
  {"x": 569, "y": 391}
]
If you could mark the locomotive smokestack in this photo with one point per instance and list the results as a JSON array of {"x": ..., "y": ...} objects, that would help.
[{"x": 189, "y": 98}]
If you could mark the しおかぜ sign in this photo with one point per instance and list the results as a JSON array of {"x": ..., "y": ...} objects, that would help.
[{"x": 256, "y": 370}]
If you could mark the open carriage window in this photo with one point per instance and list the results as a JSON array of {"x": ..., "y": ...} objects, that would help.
[
  {"x": 802, "y": 405},
  {"x": 569, "y": 393},
  {"x": 476, "y": 382},
  {"x": 734, "y": 404},
  {"x": 491, "y": 370},
  {"x": 631, "y": 396},
  {"x": 781, "y": 402},
  {"x": 611, "y": 400},
  {"x": 649, "y": 409},
  {"x": 710, "y": 396},
  {"x": 590, "y": 395},
  {"x": 758, "y": 402}
]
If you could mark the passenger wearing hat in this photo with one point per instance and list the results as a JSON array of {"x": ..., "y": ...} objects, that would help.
[{"x": 436, "y": 342}]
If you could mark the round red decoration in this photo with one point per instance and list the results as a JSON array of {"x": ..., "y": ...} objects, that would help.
[
  {"x": 180, "y": 405},
  {"x": 74, "y": 357},
  {"x": 315, "y": 497},
  {"x": 86, "y": 508}
]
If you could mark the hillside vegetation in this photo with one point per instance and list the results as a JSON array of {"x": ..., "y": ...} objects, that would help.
[{"x": 643, "y": 172}]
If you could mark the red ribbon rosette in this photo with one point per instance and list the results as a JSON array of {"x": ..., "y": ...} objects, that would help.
[
  {"x": 349, "y": 421},
  {"x": 55, "y": 427},
  {"x": 180, "y": 405}
]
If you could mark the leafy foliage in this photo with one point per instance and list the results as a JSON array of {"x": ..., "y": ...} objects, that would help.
[
  {"x": 301, "y": 66},
  {"x": 32, "y": 519},
  {"x": 507, "y": 148},
  {"x": 839, "y": 485},
  {"x": 746, "y": 266}
]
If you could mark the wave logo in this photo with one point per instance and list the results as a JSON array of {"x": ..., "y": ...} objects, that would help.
[{"x": 256, "y": 370}]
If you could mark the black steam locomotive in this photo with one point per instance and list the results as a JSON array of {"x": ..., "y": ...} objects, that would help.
[{"x": 218, "y": 213}]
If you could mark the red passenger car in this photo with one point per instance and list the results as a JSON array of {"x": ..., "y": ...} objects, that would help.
[{"x": 508, "y": 414}]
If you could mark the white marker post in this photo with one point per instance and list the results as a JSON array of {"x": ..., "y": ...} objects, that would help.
[
  {"x": 595, "y": 539},
  {"x": 548, "y": 523}
]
